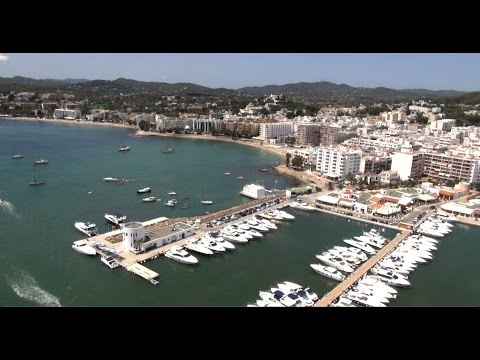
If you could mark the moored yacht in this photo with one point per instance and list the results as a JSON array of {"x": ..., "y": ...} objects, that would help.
[
  {"x": 328, "y": 271},
  {"x": 180, "y": 255},
  {"x": 87, "y": 228},
  {"x": 115, "y": 219},
  {"x": 361, "y": 245},
  {"x": 295, "y": 288},
  {"x": 194, "y": 245},
  {"x": 283, "y": 214},
  {"x": 149, "y": 199},
  {"x": 336, "y": 262},
  {"x": 82, "y": 247},
  {"x": 211, "y": 244},
  {"x": 220, "y": 241},
  {"x": 109, "y": 261},
  {"x": 111, "y": 179}
]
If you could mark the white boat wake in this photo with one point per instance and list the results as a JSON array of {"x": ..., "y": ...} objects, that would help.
[
  {"x": 27, "y": 288},
  {"x": 9, "y": 209}
]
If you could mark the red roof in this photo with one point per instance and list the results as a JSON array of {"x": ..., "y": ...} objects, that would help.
[
  {"x": 346, "y": 200},
  {"x": 376, "y": 199},
  {"x": 376, "y": 206},
  {"x": 390, "y": 199},
  {"x": 446, "y": 192}
]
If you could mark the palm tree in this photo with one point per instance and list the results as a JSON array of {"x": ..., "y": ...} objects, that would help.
[{"x": 287, "y": 158}]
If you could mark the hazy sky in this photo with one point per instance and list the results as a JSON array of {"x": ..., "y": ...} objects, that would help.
[{"x": 398, "y": 71}]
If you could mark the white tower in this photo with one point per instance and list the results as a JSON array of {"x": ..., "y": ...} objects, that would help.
[{"x": 133, "y": 236}]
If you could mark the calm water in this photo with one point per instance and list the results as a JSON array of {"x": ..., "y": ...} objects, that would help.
[{"x": 39, "y": 267}]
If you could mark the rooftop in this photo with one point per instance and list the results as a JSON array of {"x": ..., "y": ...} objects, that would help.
[{"x": 173, "y": 229}]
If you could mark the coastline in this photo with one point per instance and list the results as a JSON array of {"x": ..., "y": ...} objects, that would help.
[{"x": 71, "y": 122}]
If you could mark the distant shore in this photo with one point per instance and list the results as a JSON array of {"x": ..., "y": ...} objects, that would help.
[
  {"x": 72, "y": 122},
  {"x": 252, "y": 143}
]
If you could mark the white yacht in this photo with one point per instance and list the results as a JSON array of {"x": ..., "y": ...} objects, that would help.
[
  {"x": 212, "y": 244},
  {"x": 256, "y": 225},
  {"x": 376, "y": 295},
  {"x": 220, "y": 240},
  {"x": 82, "y": 247},
  {"x": 194, "y": 245},
  {"x": 111, "y": 179},
  {"x": 252, "y": 232},
  {"x": 268, "y": 224},
  {"x": 172, "y": 193},
  {"x": 109, "y": 261},
  {"x": 353, "y": 250},
  {"x": 232, "y": 229},
  {"x": 450, "y": 219},
  {"x": 294, "y": 293},
  {"x": 41, "y": 162},
  {"x": 391, "y": 278},
  {"x": 373, "y": 282},
  {"x": 144, "y": 190},
  {"x": 301, "y": 205},
  {"x": 270, "y": 299},
  {"x": 283, "y": 214},
  {"x": 206, "y": 202},
  {"x": 370, "y": 241},
  {"x": 233, "y": 236},
  {"x": 149, "y": 199},
  {"x": 361, "y": 245},
  {"x": 115, "y": 219},
  {"x": 364, "y": 300},
  {"x": 180, "y": 255},
  {"x": 286, "y": 299},
  {"x": 87, "y": 228},
  {"x": 295, "y": 288},
  {"x": 171, "y": 203},
  {"x": 336, "y": 262},
  {"x": 346, "y": 255},
  {"x": 328, "y": 271}
]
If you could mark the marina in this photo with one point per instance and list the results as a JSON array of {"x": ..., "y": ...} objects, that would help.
[{"x": 283, "y": 254}]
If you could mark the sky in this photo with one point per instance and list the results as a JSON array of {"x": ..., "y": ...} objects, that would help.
[{"x": 397, "y": 71}]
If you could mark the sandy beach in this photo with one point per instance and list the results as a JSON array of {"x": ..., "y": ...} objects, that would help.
[{"x": 72, "y": 122}]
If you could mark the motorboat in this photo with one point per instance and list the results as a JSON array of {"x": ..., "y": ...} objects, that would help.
[
  {"x": 184, "y": 206},
  {"x": 220, "y": 241},
  {"x": 234, "y": 236},
  {"x": 328, "y": 271},
  {"x": 302, "y": 206},
  {"x": 180, "y": 255},
  {"x": 212, "y": 244},
  {"x": 149, "y": 199},
  {"x": 144, "y": 190},
  {"x": 194, "y": 245},
  {"x": 360, "y": 245},
  {"x": 17, "y": 156},
  {"x": 115, "y": 219},
  {"x": 227, "y": 173},
  {"x": 185, "y": 197},
  {"x": 362, "y": 290},
  {"x": 391, "y": 278},
  {"x": 450, "y": 219},
  {"x": 353, "y": 250},
  {"x": 269, "y": 299},
  {"x": 283, "y": 214},
  {"x": 171, "y": 203},
  {"x": 346, "y": 255},
  {"x": 288, "y": 299},
  {"x": 375, "y": 283},
  {"x": 239, "y": 177},
  {"x": 109, "y": 261},
  {"x": 124, "y": 148},
  {"x": 83, "y": 248},
  {"x": 207, "y": 202},
  {"x": 291, "y": 286},
  {"x": 87, "y": 228},
  {"x": 41, "y": 162},
  {"x": 111, "y": 179},
  {"x": 245, "y": 233},
  {"x": 268, "y": 224},
  {"x": 336, "y": 262},
  {"x": 172, "y": 193},
  {"x": 257, "y": 225},
  {"x": 364, "y": 300}
]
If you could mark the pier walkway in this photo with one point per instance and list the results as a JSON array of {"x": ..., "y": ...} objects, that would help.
[{"x": 367, "y": 265}]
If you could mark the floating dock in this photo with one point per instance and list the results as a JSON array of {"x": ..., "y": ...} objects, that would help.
[{"x": 143, "y": 272}]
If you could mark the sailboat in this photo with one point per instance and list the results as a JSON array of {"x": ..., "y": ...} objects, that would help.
[
  {"x": 206, "y": 202},
  {"x": 16, "y": 156},
  {"x": 41, "y": 161},
  {"x": 168, "y": 149},
  {"x": 123, "y": 147},
  {"x": 35, "y": 181}
]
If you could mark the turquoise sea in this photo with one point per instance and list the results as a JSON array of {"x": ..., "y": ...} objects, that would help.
[{"x": 39, "y": 268}]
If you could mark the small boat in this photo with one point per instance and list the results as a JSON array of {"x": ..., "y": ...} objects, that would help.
[
  {"x": 227, "y": 173},
  {"x": 185, "y": 197},
  {"x": 149, "y": 199},
  {"x": 180, "y": 255},
  {"x": 35, "y": 181},
  {"x": 239, "y": 177},
  {"x": 41, "y": 162},
  {"x": 185, "y": 206},
  {"x": 123, "y": 147},
  {"x": 171, "y": 203},
  {"x": 172, "y": 193},
  {"x": 263, "y": 170},
  {"x": 82, "y": 247},
  {"x": 87, "y": 228},
  {"x": 144, "y": 190},
  {"x": 109, "y": 261},
  {"x": 16, "y": 156},
  {"x": 111, "y": 179},
  {"x": 207, "y": 202},
  {"x": 115, "y": 219},
  {"x": 168, "y": 150},
  {"x": 90, "y": 192}
]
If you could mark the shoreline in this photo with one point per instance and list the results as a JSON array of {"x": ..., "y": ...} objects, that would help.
[{"x": 72, "y": 122}]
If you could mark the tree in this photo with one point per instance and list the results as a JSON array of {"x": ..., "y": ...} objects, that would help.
[
  {"x": 477, "y": 186},
  {"x": 287, "y": 159},
  {"x": 144, "y": 125},
  {"x": 330, "y": 185},
  {"x": 297, "y": 161}
]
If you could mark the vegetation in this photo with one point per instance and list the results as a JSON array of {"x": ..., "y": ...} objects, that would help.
[
  {"x": 287, "y": 159},
  {"x": 297, "y": 161},
  {"x": 330, "y": 185}
]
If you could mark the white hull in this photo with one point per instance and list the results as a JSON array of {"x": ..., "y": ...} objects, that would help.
[
  {"x": 83, "y": 248},
  {"x": 335, "y": 275}
]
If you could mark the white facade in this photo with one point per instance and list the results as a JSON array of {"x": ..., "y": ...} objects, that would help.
[
  {"x": 133, "y": 236},
  {"x": 272, "y": 130},
  {"x": 338, "y": 162},
  {"x": 253, "y": 191},
  {"x": 408, "y": 165}
]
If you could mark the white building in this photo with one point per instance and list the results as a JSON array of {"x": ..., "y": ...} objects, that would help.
[
  {"x": 273, "y": 130},
  {"x": 338, "y": 162},
  {"x": 253, "y": 191},
  {"x": 133, "y": 236},
  {"x": 67, "y": 114},
  {"x": 408, "y": 165}
]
